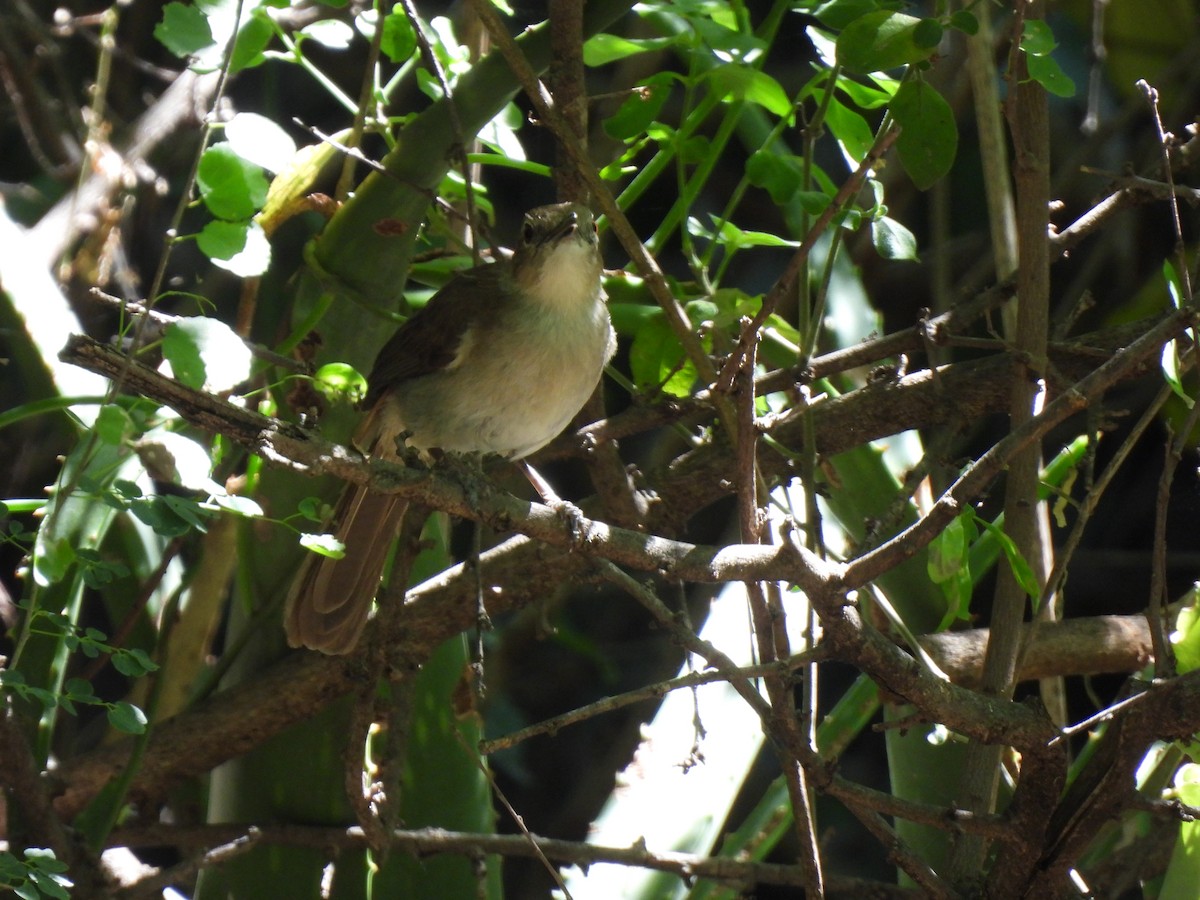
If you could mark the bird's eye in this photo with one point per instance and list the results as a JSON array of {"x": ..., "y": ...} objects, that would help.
[{"x": 527, "y": 233}]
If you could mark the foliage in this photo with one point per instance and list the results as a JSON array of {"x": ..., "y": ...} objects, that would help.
[{"x": 812, "y": 323}]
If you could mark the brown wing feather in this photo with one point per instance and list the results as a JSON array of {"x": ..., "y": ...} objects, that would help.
[{"x": 429, "y": 340}]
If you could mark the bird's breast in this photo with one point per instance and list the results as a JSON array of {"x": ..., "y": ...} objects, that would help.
[{"x": 516, "y": 382}]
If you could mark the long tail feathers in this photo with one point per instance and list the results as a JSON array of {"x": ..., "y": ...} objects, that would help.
[{"x": 331, "y": 599}]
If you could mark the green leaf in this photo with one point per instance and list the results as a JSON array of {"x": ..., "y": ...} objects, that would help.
[
  {"x": 1046, "y": 71},
  {"x": 837, "y": 14},
  {"x": 1171, "y": 372},
  {"x": 734, "y": 238},
  {"x": 1020, "y": 567},
  {"x": 254, "y": 259},
  {"x": 51, "y": 563},
  {"x": 232, "y": 188},
  {"x": 879, "y": 41},
  {"x": 778, "y": 174},
  {"x": 964, "y": 20},
  {"x": 331, "y": 33},
  {"x": 252, "y": 39},
  {"x": 323, "y": 545},
  {"x": 127, "y": 718},
  {"x": 746, "y": 83},
  {"x": 340, "y": 381},
  {"x": 181, "y": 347},
  {"x": 892, "y": 240},
  {"x": 851, "y": 130},
  {"x": 133, "y": 663},
  {"x": 260, "y": 141},
  {"x": 928, "y": 33},
  {"x": 947, "y": 552},
  {"x": 183, "y": 30},
  {"x": 206, "y": 352},
  {"x": 113, "y": 424},
  {"x": 1185, "y": 639},
  {"x": 657, "y": 360},
  {"x": 1037, "y": 39},
  {"x": 602, "y": 48},
  {"x": 929, "y": 140},
  {"x": 399, "y": 40},
  {"x": 49, "y": 886},
  {"x": 159, "y": 517},
  {"x": 310, "y": 508},
  {"x": 640, "y": 108},
  {"x": 221, "y": 239},
  {"x": 240, "y": 506}
]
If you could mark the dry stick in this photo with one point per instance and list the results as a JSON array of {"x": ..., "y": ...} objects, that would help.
[
  {"x": 154, "y": 886},
  {"x": 569, "y": 91},
  {"x": 770, "y": 631},
  {"x": 916, "y": 868},
  {"x": 432, "y": 841},
  {"x": 1029, "y": 123},
  {"x": 989, "y": 465},
  {"x": 1163, "y": 654},
  {"x": 550, "y": 727},
  {"x": 1084, "y": 646}
]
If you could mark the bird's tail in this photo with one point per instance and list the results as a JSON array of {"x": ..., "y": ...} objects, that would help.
[{"x": 331, "y": 598}]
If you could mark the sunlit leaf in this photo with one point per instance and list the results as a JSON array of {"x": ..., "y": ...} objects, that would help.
[
  {"x": 232, "y": 188},
  {"x": 879, "y": 41},
  {"x": 127, "y": 718},
  {"x": 323, "y": 545},
  {"x": 892, "y": 240},
  {"x": 183, "y": 29}
]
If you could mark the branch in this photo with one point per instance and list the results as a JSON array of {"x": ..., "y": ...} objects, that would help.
[{"x": 433, "y": 841}]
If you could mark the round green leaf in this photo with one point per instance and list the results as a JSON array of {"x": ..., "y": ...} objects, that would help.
[
  {"x": 964, "y": 21},
  {"x": 746, "y": 83},
  {"x": 657, "y": 360},
  {"x": 183, "y": 29},
  {"x": 1046, "y": 71},
  {"x": 206, "y": 352},
  {"x": 232, "y": 188},
  {"x": 837, "y": 14},
  {"x": 1037, "y": 39},
  {"x": 340, "y": 381},
  {"x": 220, "y": 239},
  {"x": 399, "y": 40},
  {"x": 260, "y": 140},
  {"x": 928, "y": 33},
  {"x": 255, "y": 257}
]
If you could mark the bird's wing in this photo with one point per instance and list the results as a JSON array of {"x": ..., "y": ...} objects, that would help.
[{"x": 429, "y": 341}]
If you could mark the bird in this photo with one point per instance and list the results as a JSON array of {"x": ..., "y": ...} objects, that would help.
[{"x": 499, "y": 361}]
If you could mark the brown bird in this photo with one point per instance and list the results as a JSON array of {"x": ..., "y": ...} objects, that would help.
[{"x": 499, "y": 361}]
